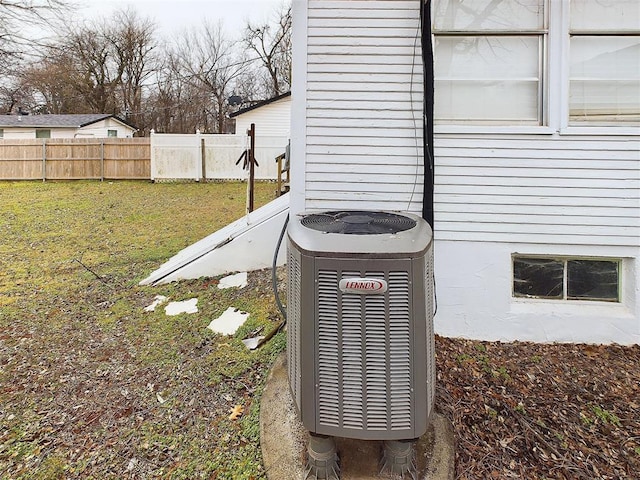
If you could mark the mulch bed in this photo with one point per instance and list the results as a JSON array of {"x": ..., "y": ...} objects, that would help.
[{"x": 541, "y": 411}]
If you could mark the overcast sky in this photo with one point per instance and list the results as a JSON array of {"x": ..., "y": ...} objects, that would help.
[{"x": 174, "y": 16}]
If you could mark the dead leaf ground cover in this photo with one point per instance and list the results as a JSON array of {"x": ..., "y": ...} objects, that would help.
[
  {"x": 93, "y": 387},
  {"x": 532, "y": 411}
]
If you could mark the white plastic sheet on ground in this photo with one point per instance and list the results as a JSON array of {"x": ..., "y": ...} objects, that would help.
[
  {"x": 239, "y": 280},
  {"x": 157, "y": 301},
  {"x": 229, "y": 322},
  {"x": 186, "y": 306}
]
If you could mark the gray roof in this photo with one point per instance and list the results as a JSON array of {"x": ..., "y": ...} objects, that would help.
[{"x": 56, "y": 121}]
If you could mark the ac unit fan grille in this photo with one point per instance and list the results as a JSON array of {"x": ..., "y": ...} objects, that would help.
[{"x": 358, "y": 222}]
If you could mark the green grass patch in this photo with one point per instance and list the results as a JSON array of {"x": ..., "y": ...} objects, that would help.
[{"x": 93, "y": 386}]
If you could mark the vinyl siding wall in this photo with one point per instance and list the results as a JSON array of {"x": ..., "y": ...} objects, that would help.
[
  {"x": 272, "y": 120},
  {"x": 95, "y": 130},
  {"x": 364, "y": 105},
  {"x": 548, "y": 189}
]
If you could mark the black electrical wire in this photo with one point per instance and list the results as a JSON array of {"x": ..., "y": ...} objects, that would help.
[
  {"x": 274, "y": 278},
  {"x": 427, "y": 118}
]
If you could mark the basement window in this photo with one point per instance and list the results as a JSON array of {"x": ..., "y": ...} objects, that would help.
[{"x": 566, "y": 278}]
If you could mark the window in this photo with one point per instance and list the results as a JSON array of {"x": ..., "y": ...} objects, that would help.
[
  {"x": 489, "y": 61},
  {"x": 604, "y": 72},
  {"x": 43, "y": 133},
  {"x": 112, "y": 133},
  {"x": 566, "y": 278},
  {"x": 1, "y": 133},
  {"x": 503, "y": 62}
]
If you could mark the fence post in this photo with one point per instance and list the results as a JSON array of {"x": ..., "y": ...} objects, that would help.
[
  {"x": 44, "y": 159},
  {"x": 252, "y": 161},
  {"x": 152, "y": 162},
  {"x": 203, "y": 154},
  {"x": 102, "y": 160}
]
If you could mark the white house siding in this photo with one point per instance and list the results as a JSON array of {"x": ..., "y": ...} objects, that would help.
[
  {"x": 363, "y": 124},
  {"x": 356, "y": 127},
  {"x": 95, "y": 130},
  {"x": 100, "y": 129},
  {"x": 553, "y": 195},
  {"x": 19, "y": 133},
  {"x": 538, "y": 189},
  {"x": 273, "y": 119}
]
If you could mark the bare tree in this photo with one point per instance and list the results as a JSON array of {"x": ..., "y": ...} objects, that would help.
[
  {"x": 175, "y": 104},
  {"x": 13, "y": 96},
  {"x": 96, "y": 76},
  {"x": 208, "y": 61},
  {"x": 272, "y": 44},
  {"x": 21, "y": 25},
  {"x": 132, "y": 41},
  {"x": 99, "y": 67},
  {"x": 18, "y": 18},
  {"x": 49, "y": 85}
]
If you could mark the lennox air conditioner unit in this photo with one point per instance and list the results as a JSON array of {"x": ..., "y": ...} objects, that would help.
[{"x": 360, "y": 327}]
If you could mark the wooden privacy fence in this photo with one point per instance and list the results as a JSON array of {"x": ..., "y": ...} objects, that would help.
[{"x": 75, "y": 159}]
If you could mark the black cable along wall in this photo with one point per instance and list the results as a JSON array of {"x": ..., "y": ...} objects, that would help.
[{"x": 427, "y": 118}]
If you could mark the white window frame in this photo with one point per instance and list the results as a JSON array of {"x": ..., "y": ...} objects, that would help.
[
  {"x": 554, "y": 90},
  {"x": 563, "y": 44}
]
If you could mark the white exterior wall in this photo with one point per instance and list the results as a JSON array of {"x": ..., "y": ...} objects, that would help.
[
  {"x": 360, "y": 79},
  {"x": 271, "y": 120},
  {"x": 18, "y": 133},
  {"x": 536, "y": 190},
  {"x": 95, "y": 130},
  {"x": 551, "y": 194},
  {"x": 474, "y": 283},
  {"x": 99, "y": 129}
]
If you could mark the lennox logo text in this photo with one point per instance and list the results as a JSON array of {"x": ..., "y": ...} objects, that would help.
[{"x": 363, "y": 286}]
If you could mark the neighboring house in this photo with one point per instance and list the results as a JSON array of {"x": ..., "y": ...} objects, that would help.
[
  {"x": 64, "y": 126},
  {"x": 271, "y": 117},
  {"x": 537, "y": 188}
]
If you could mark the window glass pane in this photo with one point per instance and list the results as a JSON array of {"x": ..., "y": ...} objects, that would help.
[
  {"x": 487, "y": 79},
  {"x": 604, "y": 83},
  {"x": 1, "y": 133},
  {"x": 603, "y": 15},
  {"x": 488, "y": 15},
  {"x": 112, "y": 133},
  {"x": 592, "y": 280},
  {"x": 538, "y": 277},
  {"x": 43, "y": 133}
]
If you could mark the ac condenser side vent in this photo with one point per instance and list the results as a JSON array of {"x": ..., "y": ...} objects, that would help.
[{"x": 293, "y": 328}]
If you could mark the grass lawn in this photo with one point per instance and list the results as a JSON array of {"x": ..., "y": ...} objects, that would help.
[{"x": 91, "y": 386}]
